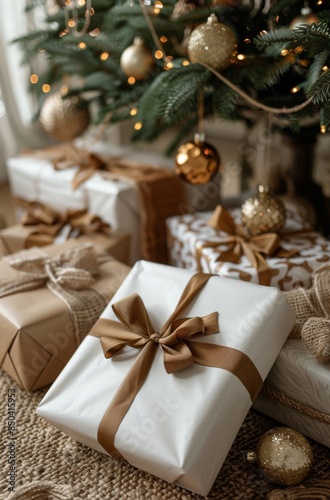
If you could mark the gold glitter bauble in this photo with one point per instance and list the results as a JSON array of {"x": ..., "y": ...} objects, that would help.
[
  {"x": 137, "y": 61},
  {"x": 284, "y": 456},
  {"x": 64, "y": 118},
  {"x": 306, "y": 17},
  {"x": 263, "y": 213},
  {"x": 197, "y": 162},
  {"x": 212, "y": 43}
]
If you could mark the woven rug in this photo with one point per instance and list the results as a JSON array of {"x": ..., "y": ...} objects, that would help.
[{"x": 50, "y": 465}]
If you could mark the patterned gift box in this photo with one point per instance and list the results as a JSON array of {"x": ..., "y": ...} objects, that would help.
[
  {"x": 194, "y": 244},
  {"x": 176, "y": 421},
  {"x": 49, "y": 299},
  {"x": 297, "y": 392}
]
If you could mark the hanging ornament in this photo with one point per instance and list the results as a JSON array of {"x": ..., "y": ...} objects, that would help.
[
  {"x": 306, "y": 17},
  {"x": 136, "y": 61},
  {"x": 212, "y": 43},
  {"x": 263, "y": 213},
  {"x": 197, "y": 162},
  {"x": 283, "y": 455},
  {"x": 64, "y": 118},
  {"x": 183, "y": 7}
]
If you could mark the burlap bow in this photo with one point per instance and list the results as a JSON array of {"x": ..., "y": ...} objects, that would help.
[
  {"x": 312, "y": 309},
  {"x": 239, "y": 243},
  {"x": 180, "y": 350},
  {"x": 69, "y": 276},
  {"x": 47, "y": 223}
]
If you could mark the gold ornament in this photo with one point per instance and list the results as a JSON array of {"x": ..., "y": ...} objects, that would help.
[
  {"x": 283, "y": 455},
  {"x": 212, "y": 43},
  {"x": 137, "y": 61},
  {"x": 197, "y": 162},
  {"x": 64, "y": 118},
  {"x": 263, "y": 213},
  {"x": 306, "y": 17}
]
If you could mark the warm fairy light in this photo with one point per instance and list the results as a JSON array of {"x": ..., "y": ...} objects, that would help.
[
  {"x": 67, "y": 3},
  {"x": 156, "y": 11},
  {"x": 323, "y": 129},
  {"x": 277, "y": 18},
  {"x": 71, "y": 23},
  {"x": 133, "y": 112},
  {"x": 158, "y": 4},
  {"x": 95, "y": 32},
  {"x": 45, "y": 88},
  {"x": 320, "y": 2},
  {"x": 241, "y": 57},
  {"x": 247, "y": 40},
  {"x": 263, "y": 32},
  {"x": 34, "y": 78},
  {"x": 104, "y": 56},
  {"x": 131, "y": 80},
  {"x": 185, "y": 62},
  {"x": 138, "y": 126},
  {"x": 284, "y": 52},
  {"x": 325, "y": 68},
  {"x": 64, "y": 90},
  {"x": 159, "y": 54},
  {"x": 82, "y": 45},
  {"x": 81, "y": 2},
  {"x": 294, "y": 90},
  {"x": 62, "y": 33},
  {"x": 163, "y": 39},
  {"x": 168, "y": 65}
]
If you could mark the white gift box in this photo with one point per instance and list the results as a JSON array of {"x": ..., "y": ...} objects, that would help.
[
  {"x": 302, "y": 380},
  {"x": 116, "y": 202},
  {"x": 189, "y": 235},
  {"x": 180, "y": 426}
]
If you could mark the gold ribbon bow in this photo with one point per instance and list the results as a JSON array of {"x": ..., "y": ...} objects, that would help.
[
  {"x": 69, "y": 276},
  {"x": 48, "y": 223},
  {"x": 240, "y": 243},
  {"x": 180, "y": 350}
]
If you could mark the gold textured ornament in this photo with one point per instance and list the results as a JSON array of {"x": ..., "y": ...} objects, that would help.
[
  {"x": 283, "y": 455},
  {"x": 263, "y": 213},
  {"x": 306, "y": 17},
  {"x": 64, "y": 118},
  {"x": 212, "y": 43},
  {"x": 197, "y": 162},
  {"x": 136, "y": 61}
]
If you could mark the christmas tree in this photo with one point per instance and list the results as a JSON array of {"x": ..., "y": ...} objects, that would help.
[{"x": 149, "y": 61}]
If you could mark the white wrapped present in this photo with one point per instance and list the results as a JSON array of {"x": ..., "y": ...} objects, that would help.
[
  {"x": 179, "y": 426},
  {"x": 297, "y": 392}
]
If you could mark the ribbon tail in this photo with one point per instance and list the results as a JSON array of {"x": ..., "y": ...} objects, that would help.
[
  {"x": 12, "y": 285},
  {"x": 232, "y": 360},
  {"x": 123, "y": 399}
]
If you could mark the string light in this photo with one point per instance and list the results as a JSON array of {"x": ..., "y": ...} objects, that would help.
[
  {"x": 159, "y": 54},
  {"x": 325, "y": 68},
  {"x": 247, "y": 40},
  {"x": 45, "y": 88},
  {"x": 241, "y": 57},
  {"x": 323, "y": 129},
  {"x": 131, "y": 80},
  {"x": 34, "y": 79},
  {"x": 104, "y": 56},
  {"x": 185, "y": 63},
  {"x": 294, "y": 90},
  {"x": 95, "y": 32},
  {"x": 64, "y": 90},
  {"x": 284, "y": 52},
  {"x": 133, "y": 111},
  {"x": 82, "y": 45},
  {"x": 163, "y": 39},
  {"x": 138, "y": 125},
  {"x": 71, "y": 23}
]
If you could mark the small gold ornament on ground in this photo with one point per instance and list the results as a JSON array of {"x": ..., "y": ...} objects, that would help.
[
  {"x": 64, "y": 118},
  {"x": 263, "y": 213},
  {"x": 283, "y": 455},
  {"x": 197, "y": 162},
  {"x": 212, "y": 43}
]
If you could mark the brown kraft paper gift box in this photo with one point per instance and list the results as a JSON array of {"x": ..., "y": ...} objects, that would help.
[{"x": 39, "y": 331}]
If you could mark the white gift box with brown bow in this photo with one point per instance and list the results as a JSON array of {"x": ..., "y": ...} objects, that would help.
[{"x": 177, "y": 425}]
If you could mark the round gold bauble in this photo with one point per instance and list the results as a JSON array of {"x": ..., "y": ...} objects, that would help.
[
  {"x": 212, "y": 43},
  {"x": 64, "y": 118},
  {"x": 263, "y": 213},
  {"x": 197, "y": 162},
  {"x": 137, "y": 61},
  {"x": 284, "y": 456},
  {"x": 306, "y": 17}
]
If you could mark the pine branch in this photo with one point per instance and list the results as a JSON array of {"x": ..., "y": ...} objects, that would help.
[
  {"x": 224, "y": 102},
  {"x": 315, "y": 69},
  {"x": 320, "y": 90},
  {"x": 280, "y": 36}
]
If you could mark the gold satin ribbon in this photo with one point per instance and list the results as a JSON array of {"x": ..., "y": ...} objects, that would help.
[
  {"x": 48, "y": 223},
  {"x": 180, "y": 350},
  {"x": 253, "y": 247}
]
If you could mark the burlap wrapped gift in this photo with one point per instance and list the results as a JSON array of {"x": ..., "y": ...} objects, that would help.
[
  {"x": 50, "y": 299},
  {"x": 41, "y": 225}
]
